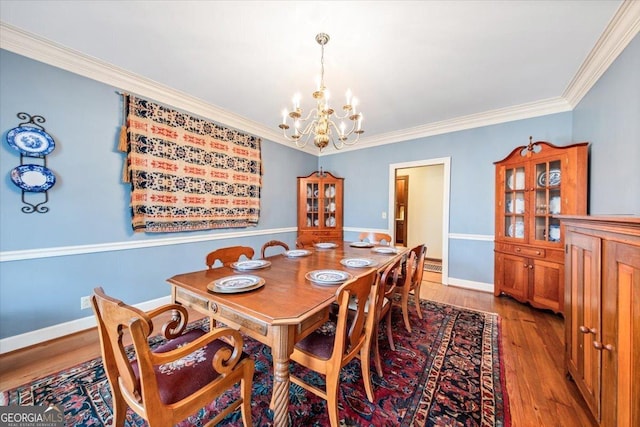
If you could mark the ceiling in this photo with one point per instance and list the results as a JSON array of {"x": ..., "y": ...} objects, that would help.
[{"x": 414, "y": 65}]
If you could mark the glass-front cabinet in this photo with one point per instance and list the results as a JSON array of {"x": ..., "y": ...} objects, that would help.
[
  {"x": 320, "y": 206},
  {"x": 534, "y": 184}
]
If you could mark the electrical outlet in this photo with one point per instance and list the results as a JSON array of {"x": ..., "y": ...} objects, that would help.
[
  {"x": 85, "y": 302},
  {"x": 384, "y": 215}
]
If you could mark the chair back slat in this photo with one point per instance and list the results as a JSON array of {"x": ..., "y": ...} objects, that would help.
[
  {"x": 377, "y": 238},
  {"x": 272, "y": 243},
  {"x": 228, "y": 255},
  {"x": 113, "y": 318}
]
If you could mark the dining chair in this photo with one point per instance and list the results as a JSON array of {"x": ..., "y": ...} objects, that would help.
[
  {"x": 271, "y": 243},
  {"x": 328, "y": 352},
  {"x": 306, "y": 241},
  {"x": 388, "y": 282},
  {"x": 228, "y": 255},
  {"x": 411, "y": 280},
  {"x": 377, "y": 238},
  {"x": 167, "y": 384}
]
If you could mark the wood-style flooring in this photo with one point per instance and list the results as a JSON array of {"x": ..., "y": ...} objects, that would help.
[{"x": 533, "y": 354}]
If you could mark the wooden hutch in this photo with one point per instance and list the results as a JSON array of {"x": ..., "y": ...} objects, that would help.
[
  {"x": 320, "y": 206},
  {"x": 534, "y": 183}
]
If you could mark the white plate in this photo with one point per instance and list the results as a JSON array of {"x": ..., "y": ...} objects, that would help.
[
  {"x": 328, "y": 277},
  {"x": 330, "y": 222},
  {"x": 519, "y": 206},
  {"x": 519, "y": 181},
  {"x": 325, "y": 245},
  {"x": 30, "y": 141},
  {"x": 238, "y": 283},
  {"x": 516, "y": 230},
  {"x": 358, "y": 262},
  {"x": 362, "y": 244},
  {"x": 252, "y": 264},
  {"x": 330, "y": 192},
  {"x": 297, "y": 253},
  {"x": 332, "y": 207},
  {"x": 385, "y": 250},
  {"x": 554, "y": 205},
  {"x": 33, "y": 178}
]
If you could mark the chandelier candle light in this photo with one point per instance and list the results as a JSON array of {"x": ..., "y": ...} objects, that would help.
[{"x": 322, "y": 126}]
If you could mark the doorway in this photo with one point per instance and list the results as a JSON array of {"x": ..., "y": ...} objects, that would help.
[
  {"x": 401, "y": 209},
  {"x": 426, "y": 218}
]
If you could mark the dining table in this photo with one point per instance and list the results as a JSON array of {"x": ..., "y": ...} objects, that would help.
[{"x": 289, "y": 300}]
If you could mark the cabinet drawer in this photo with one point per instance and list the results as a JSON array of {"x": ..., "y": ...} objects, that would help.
[{"x": 521, "y": 250}]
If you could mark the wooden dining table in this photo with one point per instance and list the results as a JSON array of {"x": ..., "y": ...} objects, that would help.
[{"x": 286, "y": 309}]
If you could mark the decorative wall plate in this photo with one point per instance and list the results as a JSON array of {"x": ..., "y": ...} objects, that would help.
[
  {"x": 33, "y": 178},
  {"x": 30, "y": 141}
]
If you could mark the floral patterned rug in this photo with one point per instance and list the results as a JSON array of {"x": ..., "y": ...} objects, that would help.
[{"x": 448, "y": 372}]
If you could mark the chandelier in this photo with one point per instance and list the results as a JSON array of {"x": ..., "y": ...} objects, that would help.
[{"x": 319, "y": 123}]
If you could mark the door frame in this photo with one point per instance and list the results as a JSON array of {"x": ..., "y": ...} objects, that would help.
[{"x": 446, "y": 189}]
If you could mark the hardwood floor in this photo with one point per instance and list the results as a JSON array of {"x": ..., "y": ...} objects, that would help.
[{"x": 533, "y": 354}]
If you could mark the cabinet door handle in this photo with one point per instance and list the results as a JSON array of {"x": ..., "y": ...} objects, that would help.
[
  {"x": 586, "y": 330},
  {"x": 537, "y": 252},
  {"x": 530, "y": 266},
  {"x": 599, "y": 346},
  {"x": 518, "y": 249}
]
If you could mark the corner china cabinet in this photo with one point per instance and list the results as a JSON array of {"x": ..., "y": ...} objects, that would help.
[
  {"x": 534, "y": 183},
  {"x": 320, "y": 206},
  {"x": 602, "y": 315}
]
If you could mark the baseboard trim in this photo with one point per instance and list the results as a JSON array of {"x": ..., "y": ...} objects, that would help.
[
  {"x": 469, "y": 284},
  {"x": 49, "y": 333}
]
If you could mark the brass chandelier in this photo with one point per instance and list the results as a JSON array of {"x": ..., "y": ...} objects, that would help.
[{"x": 320, "y": 123}]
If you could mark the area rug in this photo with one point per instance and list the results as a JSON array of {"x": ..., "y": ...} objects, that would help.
[{"x": 447, "y": 372}]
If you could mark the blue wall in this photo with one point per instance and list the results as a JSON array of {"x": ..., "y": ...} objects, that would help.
[{"x": 89, "y": 204}]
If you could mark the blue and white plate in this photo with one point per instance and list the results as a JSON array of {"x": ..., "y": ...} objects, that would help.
[
  {"x": 295, "y": 253},
  {"x": 328, "y": 277},
  {"x": 553, "y": 180},
  {"x": 325, "y": 245},
  {"x": 30, "y": 141},
  {"x": 33, "y": 178},
  {"x": 252, "y": 264},
  {"x": 358, "y": 262},
  {"x": 361, "y": 244},
  {"x": 238, "y": 283},
  {"x": 385, "y": 250}
]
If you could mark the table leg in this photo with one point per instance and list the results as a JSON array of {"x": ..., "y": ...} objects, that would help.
[{"x": 281, "y": 351}]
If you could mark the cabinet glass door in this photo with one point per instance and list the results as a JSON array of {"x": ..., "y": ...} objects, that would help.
[
  {"x": 548, "y": 201},
  {"x": 515, "y": 206},
  {"x": 313, "y": 215},
  {"x": 329, "y": 205}
]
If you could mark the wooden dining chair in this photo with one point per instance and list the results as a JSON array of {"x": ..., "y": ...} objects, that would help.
[
  {"x": 306, "y": 241},
  {"x": 228, "y": 255},
  {"x": 327, "y": 353},
  {"x": 272, "y": 243},
  {"x": 167, "y": 384},
  {"x": 410, "y": 281},
  {"x": 377, "y": 238}
]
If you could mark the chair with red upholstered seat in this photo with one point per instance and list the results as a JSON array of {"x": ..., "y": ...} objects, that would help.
[
  {"x": 169, "y": 383},
  {"x": 327, "y": 353}
]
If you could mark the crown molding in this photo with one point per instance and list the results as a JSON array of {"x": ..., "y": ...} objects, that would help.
[
  {"x": 622, "y": 28},
  {"x": 502, "y": 115}
]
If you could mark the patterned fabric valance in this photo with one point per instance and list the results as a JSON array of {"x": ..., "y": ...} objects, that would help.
[{"x": 187, "y": 173}]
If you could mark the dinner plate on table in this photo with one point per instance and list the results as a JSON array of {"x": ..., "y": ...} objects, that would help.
[
  {"x": 385, "y": 250},
  {"x": 328, "y": 277},
  {"x": 358, "y": 262},
  {"x": 295, "y": 253},
  {"x": 252, "y": 264},
  {"x": 235, "y": 284},
  {"x": 361, "y": 244},
  {"x": 325, "y": 245}
]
